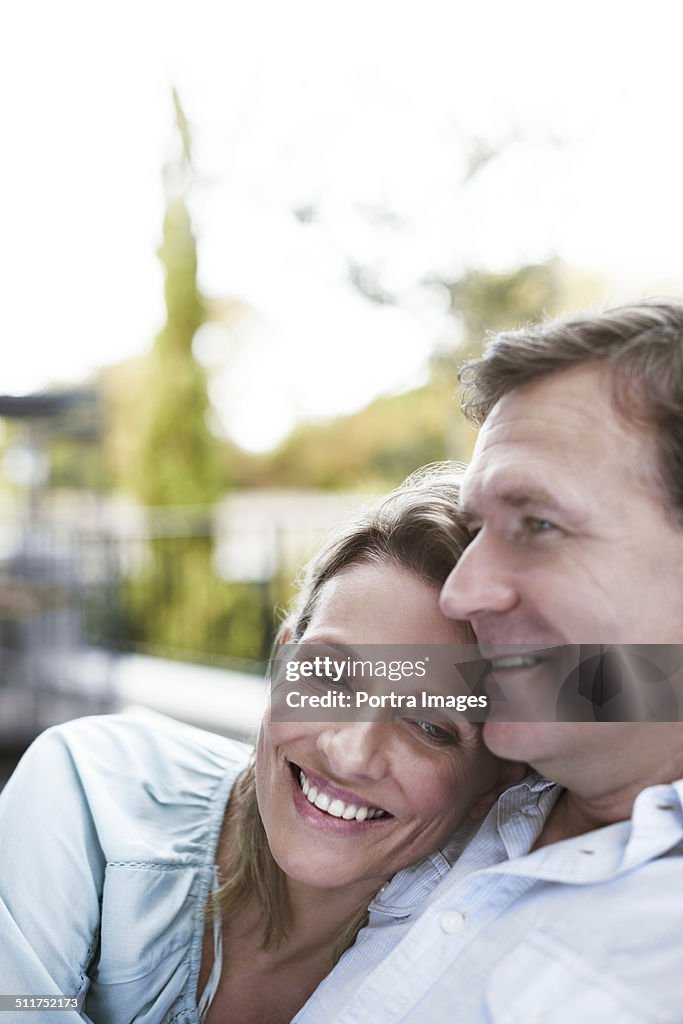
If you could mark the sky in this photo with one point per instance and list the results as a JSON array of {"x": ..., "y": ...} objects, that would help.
[{"x": 326, "y": 136}]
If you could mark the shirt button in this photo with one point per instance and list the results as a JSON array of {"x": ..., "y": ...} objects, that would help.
[{"x": 452, "y": 922}]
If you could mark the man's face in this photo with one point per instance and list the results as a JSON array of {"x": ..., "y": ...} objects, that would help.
[{"x": 573, "y": 541}]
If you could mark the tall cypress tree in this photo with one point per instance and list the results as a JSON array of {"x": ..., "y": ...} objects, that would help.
[{"x": 178, "y": 457}]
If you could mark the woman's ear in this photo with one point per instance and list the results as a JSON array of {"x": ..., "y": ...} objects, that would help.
[
  {"x": 285, "y": 634},
  {"x": 511, "y": 772}
]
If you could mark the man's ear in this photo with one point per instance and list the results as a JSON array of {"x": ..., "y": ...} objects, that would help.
[{"x": 511, "y": 772}]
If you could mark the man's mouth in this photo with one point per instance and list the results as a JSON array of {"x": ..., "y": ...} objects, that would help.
[
  {"x": 333, "y": 806},
  {"x": 514, "y": 661}
]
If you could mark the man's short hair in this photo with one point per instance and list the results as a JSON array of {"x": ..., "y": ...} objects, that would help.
[{"x": 641, "y": 343}]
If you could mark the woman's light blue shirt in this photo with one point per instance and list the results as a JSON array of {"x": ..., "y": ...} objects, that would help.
[{"x": 115, "y": 822}]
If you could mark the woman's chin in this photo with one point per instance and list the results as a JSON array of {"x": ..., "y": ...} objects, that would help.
[{"x": 321, "y": 870}]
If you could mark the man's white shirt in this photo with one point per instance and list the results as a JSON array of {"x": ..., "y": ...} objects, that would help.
[{"x": 585, "y": 931}]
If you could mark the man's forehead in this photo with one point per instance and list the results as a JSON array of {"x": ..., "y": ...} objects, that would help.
[
  {"x": 517, "y": 456},
  {"x": 534, "y": 436},
  {"x": 567, "y": 401},
  {"x": 517, "y": 486},
  {"x": 550, "y": 441}
]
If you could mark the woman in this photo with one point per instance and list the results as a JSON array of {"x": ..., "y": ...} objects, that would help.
[{"x": 179, "y": 883}]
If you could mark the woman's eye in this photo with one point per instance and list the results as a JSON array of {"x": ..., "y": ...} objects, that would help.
[
  {"x": 327, "y": 680},
  {"x": 535, "y": 525},
  {"x": 434, "y": 732}
]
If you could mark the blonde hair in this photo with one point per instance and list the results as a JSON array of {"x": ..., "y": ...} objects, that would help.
[{"x": 417, "y": 527}]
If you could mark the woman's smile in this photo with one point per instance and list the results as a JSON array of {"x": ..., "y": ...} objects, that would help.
[{"x": 322, "y": 802}]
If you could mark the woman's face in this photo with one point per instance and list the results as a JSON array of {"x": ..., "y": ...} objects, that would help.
[{"x": 424, "y": 781}]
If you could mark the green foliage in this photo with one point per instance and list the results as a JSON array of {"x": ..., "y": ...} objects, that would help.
[
  {"x": 379, "y": 446},
  {"x": 76, "y": 467},
  {"x": 485, "y": 302},
  {"x": 123, "y": 392},
  {"x": 185, "y": 310},
  {"x": 178, "y": 461},
  {"x": 178, "y": 607},
  {"x": 161, "y": 449},
  {"x": 374, "y": 448}
]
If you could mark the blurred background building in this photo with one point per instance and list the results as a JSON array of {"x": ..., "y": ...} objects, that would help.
[{"x": 54, "y": 570}]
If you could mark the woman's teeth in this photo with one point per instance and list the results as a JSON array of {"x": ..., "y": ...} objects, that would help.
[{"x": 337, "y": 808}]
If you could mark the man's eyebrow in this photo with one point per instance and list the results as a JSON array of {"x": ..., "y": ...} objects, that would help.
[
  {"x": 523, "y": 497},
  {"x": 519, "y": 497}
]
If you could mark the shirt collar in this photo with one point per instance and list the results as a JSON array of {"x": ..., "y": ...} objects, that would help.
[
  {"x": 400, "y": 896},
  {"x": 654, "y": 829},
  {"x": 409, "y": 887}
]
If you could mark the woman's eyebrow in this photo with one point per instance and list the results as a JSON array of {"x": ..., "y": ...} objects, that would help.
[{"x": 333, "y": 643}]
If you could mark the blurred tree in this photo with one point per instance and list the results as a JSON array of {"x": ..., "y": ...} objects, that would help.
[
  {"x": 378, "y": 446},
  {"x": 485, "y": 302},
  {"x": 162, "y": 450},
  {"x": 372, "y": 449},
  {"x": 178, "y": 460}
]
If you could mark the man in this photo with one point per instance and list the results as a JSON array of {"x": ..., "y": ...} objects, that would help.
[{"x": 568, "y": 904}]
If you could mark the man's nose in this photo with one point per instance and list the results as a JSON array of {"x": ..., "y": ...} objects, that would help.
[
  {"x": 481, "y": 583},
  {"x": 356, "y": 749}
]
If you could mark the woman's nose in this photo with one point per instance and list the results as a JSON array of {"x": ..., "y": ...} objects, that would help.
[{"x": 356, "y": 749}]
